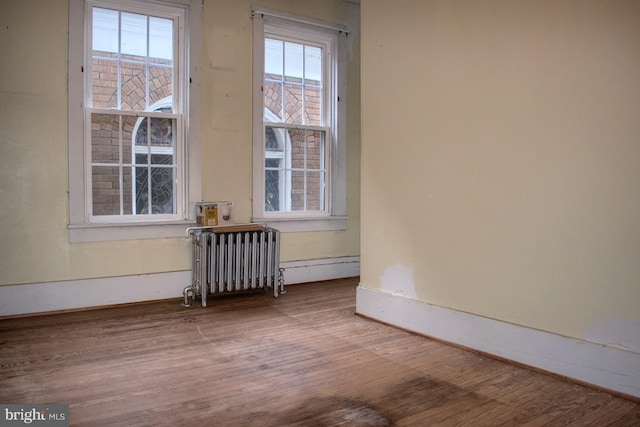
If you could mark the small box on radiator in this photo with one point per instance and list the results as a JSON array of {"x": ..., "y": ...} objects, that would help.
[{"x": 214, "y": 213}]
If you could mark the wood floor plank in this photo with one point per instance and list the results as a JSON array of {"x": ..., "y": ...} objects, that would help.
[{"x": 303, "y": 359}]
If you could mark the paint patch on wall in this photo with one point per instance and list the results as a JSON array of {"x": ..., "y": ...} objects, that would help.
[
  {"x": 398, "y": 280},
  {"x": 616, "y": 332}
]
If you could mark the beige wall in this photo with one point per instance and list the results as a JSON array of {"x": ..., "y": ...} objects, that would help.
[
  {"x": 501, "y": 160},
  {"x": 34, "y": 243}
]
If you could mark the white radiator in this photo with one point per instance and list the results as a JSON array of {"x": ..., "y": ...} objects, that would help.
[{"x": 234, "y": 259}]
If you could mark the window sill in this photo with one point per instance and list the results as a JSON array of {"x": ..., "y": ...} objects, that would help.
[
  {"x": 80, "y": 233},
  {"x": 296, "y": 225}
]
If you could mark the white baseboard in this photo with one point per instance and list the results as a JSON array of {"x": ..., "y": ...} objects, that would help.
[
  {"x": 603, "y": 366},
  {"x": 315, "y": 270},
  {"x": 77, "y": 294}
]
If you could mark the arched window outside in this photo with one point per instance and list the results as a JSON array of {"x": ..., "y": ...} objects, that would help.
[
  {"x": 153, "y": 170},
  {"x": 277, "y": 197}
]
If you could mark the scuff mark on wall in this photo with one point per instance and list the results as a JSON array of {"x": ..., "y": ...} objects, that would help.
[
  {"x": 398, "y": 280},
  {"x": 616, "y": 332}
]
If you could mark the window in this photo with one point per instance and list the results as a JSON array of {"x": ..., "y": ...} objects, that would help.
[
  {"x": 132, "y": 98},
  {"x": 132, "y": 63},
  {"x": 298, "y": 146}
]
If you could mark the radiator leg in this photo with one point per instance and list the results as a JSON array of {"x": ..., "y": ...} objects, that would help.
[
  {"x": 281, "y": 280},
  {"x": 188, "y": 290}
]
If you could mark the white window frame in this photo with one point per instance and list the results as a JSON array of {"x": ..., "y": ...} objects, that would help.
[
  {"x": 284, "y": 25},
  {"x": 83, "y": 227}
]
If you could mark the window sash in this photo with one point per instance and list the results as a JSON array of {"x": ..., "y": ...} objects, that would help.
[
  {"x": 127, "y": 165},
  {"x": 294, "y": 74},
  {"x": 298, "y": 182}
]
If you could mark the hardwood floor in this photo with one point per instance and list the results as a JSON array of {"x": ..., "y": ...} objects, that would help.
[{"x": 304, "y": 359}]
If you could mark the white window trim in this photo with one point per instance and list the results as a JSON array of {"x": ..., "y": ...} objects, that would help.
[
  {"x": 80, "y": 229},
  {"x": 336, "y": 218}
]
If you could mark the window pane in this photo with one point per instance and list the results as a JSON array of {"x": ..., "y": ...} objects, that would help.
[
  {"x": 275, "y": 139},
  {"x": 313, "y": 85},
  {"x": 156, "y": 131},
  {"x": 313, "y": 65},
  {"x": 272, "y": 190},
  {"x": 160, "y": 84},
  {"x": 133, "y": 78},
  {"x": 142, "y": 159},
  {"x": 296, "y": 138},
  {"x": 315, "y": 150},
  {"x": 275, "y": 143},
  {"x": 273, "y": 68},
  {"x": 127, "y": 190},
  {"x": 159, "y": 198},
  {"x": 134, "y": 34},
  {"x": 142, "y": 134},
  {"x": 162, "y": 159},
  {"x": 142, "y": 189},
  {"x": 297, "y": 190},
  {"x": 293, "y": 103},
  {"x": 273, "y": 110},
  {"x": 312, "y": 106},
  {"x": 162, "y": 132},
  {"x": 128, "y": 126},
  {"x": 273, "y": 59},
  {"x": 272, "y": 163},
  {"x": 315, "y": 191},
  {"x": 162, "y": 189},
  {"x": 105, "y": 138},
  {"x": 104, "y": 83},
  {"x": 293, "y": 62},
  {"x": 105, "y": 31},
  {"x": 160, "y": 40},
  {"x": 106, "y": 190}
]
